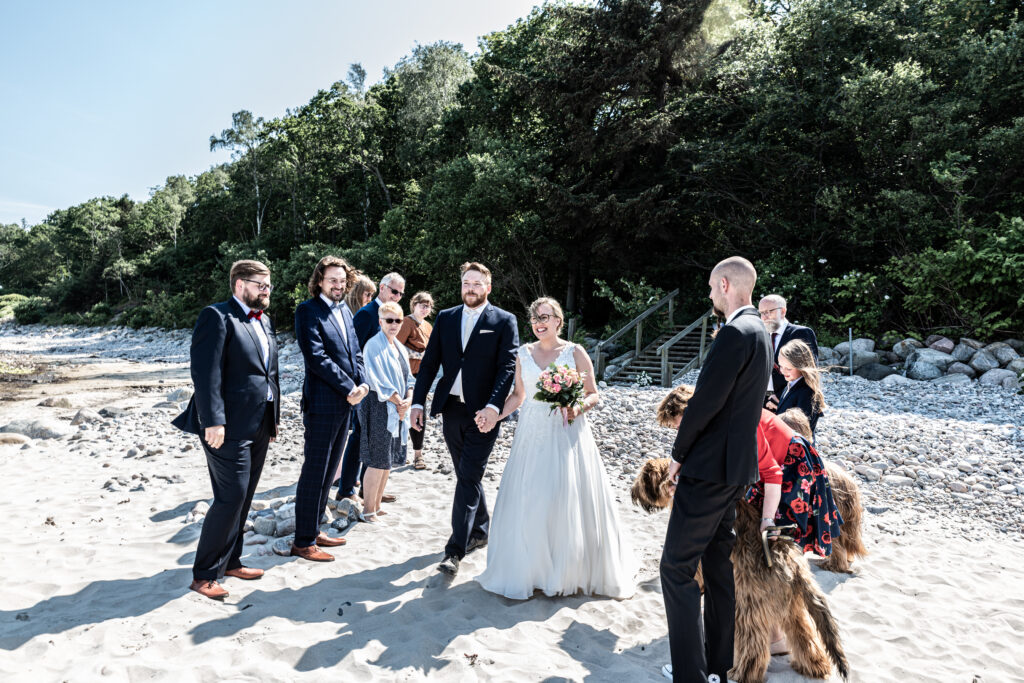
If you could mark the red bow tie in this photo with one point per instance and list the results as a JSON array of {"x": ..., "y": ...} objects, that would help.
[{"x": 256, "y": 314}]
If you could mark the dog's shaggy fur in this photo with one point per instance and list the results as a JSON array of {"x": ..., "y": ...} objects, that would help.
[{"x": 785, "y": 595}]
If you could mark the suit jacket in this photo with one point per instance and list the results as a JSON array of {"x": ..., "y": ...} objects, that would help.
[
  {"x": 231, "y": 381},
  {"x": 804, "y": 334},
  {"x": 488, "y": 363},
  {"x": 799, "y": 396},
  {"x": 717, "y": 438},
  {"x": 334, "y": 366},
  {"x": 367, "y": 322}
]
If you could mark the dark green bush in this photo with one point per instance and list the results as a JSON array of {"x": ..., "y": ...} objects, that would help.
[{"x": 32, "y": 310}]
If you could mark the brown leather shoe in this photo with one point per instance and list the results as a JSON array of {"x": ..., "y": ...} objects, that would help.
[
  {"x": 208, "y": 589},
  {"x": 329, "y": 541},
  {"x": 311, "y": 553},
  {"x": 388, "y": 498},
  {"x": 247, "y": 573}
]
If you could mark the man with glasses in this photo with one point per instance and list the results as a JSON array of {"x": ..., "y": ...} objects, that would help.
[
  {"x": 773, "y": 314},
  {"x": 333, "y": 385},
  {"x": 367, "y": 324},
  {"x": 235, "y": 411}
]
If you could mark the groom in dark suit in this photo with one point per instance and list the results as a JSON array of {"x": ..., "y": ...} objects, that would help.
[
  {"x": 235, "y": 411},
  {"x": 333, "y": 385},
  {"x": 714, "y": 461},
  {"x": 475, "y": 345}
]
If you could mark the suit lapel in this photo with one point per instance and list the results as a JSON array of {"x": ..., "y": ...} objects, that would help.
[
  {"x": 252, "y": 332},
  {"x": 476, "y": 327}
]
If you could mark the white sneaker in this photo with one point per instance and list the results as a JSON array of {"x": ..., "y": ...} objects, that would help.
[
  {"x": 666, "y": 671},
  {"x": 713, "y": 678}
]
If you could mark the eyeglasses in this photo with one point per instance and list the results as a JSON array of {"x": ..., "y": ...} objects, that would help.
[
  {"x": 263, "y": 287},
  {"x": 768, "y": 313},
  {"x": 391, "y": 321},
  {"x": 543, "y": 318},
  {"x": 396, "y": 292}
]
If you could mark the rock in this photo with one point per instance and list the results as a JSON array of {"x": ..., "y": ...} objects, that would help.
[
  {"x": 940, "y": 360},
  {"x": 56, "y": 402},
  {"x": 906, "y": 347},
  {"x": 983, "y": 361},
  {"x": 965, "y": 466},
  {"x": 1016, "y": 344},
  {"x": 1011, "y": 383},
  {"x": 265, "y": 526},
  {"x": 868, "y": 472},
  {"x": 961, "y": 369},
  {"x": 113, "y": 411},
  {"x": 200, "y": 508},
  {"x": 349, "y": 510},
  {"x": 865, "y": 345},
  {"x": 995, "y": 377},
  {"x": 256, "y": 539},
  {"x": 963, "y": 353},
  {"x": 954, "y": 379},
  {"x": 889, "y": 358},
  {"x": 1016, "y": 366},
  {"x": 43, "y": 428},
  {"x": 1002, "y": 352},
  {"x": 1007, "y": 488},
  {"x": 895, "y": 379},
  {"x": 826, "y": 356},
  {"x": 283, "y": 546},
  {"x": 340, "y": 524},
  {"x": 943, "y": 345},
  {"x": 86, "y": 416},
  {"x": 259, "y": 505},
  {"x": 285, "y": 527},
  {"x": 958, "y": 487},
  {"x": 896, "y": 480},
  {"x": 180, "y": 395},
  {"x": 13, "y": 438},
  {"x": 874, "y": 371},
  {"x": 922, "y": 370},
  {"x": 972, "y": 343}
]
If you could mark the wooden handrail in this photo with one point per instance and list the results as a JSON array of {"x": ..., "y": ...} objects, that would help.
[
  {"x": 666, "y": 373},
  {"x": 690, "y": 328},
  {"x": 637, "y": 321}
]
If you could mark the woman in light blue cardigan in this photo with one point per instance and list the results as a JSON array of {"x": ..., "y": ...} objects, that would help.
[{"x": 385, "y": 412}]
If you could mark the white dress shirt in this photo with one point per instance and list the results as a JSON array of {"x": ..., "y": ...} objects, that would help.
[
  {"x": 261, "y": 334},
  {"x": 335, "y": 307}
]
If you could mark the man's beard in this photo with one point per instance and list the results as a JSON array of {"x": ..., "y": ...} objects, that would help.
[
  {"x": 258, "y": 301},
  {"x": 772, "y": 325},
  {"x": 332, "y": 295},
  {"x": 477, "y": 299}
]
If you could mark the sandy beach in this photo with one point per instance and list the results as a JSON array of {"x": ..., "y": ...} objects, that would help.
[{"x": 98, "y": 560}]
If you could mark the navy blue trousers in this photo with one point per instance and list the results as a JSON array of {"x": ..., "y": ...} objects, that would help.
[
  {"x": 350, "y": 465},
  {"x": 700, "y": 529},
  {"x": 469, "y": 450},
  {"x": 235, "y": 470},
  {"x": 325, "y": 437}
]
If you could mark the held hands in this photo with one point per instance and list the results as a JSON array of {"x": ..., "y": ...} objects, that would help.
[
  {"x": 485, "y": 420},
  {"x": 403, "y": 408},
  {"x": 214, "y": 436}
]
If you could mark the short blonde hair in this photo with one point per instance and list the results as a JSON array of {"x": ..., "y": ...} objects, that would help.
[
  {"x": 673, "y": 405},
  {"x": 479, "y": 267},
  {"x": 555, "y": 306},
  {"x": 390, "y": 307}
]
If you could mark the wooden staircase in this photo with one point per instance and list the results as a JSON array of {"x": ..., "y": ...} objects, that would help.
[{"x": 682, "y": 354}]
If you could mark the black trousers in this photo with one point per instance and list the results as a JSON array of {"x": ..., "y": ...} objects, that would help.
[
  {"x": 350, "y": 466},
  {"x": 235, "y": 470},
  {"x": 325, "y": 437},
  {"x": 700, "y": 529},
  {"x": 469, "y": 450}
]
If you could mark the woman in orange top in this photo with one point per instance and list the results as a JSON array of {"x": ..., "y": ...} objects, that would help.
[{"x": 414, "y": 334}]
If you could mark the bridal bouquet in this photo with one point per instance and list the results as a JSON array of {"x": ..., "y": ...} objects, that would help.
[{"x": 561, "y": 386}]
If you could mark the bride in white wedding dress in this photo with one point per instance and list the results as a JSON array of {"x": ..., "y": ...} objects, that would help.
[{"x": 554, "y": 526}]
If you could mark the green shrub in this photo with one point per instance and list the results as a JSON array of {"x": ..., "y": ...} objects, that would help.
[
  {"x": 32, "y": 310},
  {"x": 8, "y": 302},
  {"x": 164, "y": 310}
]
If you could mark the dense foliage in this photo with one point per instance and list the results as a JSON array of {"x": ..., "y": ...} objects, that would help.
[{"x": 867, "y": 155}]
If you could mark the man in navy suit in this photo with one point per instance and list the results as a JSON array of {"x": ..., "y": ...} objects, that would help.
[
  {"x": 235, "y": 411},
  {"x": 367, "y": 324},
  {"x": 772, "y": 309},
  {"x": 332, "y": 386},
  {"x": 714, "y": 461},
  {"x": 475, "y": 346}
]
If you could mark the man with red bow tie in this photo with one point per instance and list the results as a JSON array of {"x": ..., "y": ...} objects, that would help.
[{"x": 235, "y": 411}]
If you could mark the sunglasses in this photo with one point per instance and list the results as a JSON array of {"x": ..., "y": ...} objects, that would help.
[
  {"x": 391, "y": 321},
  {"x": 396, "y": 292}
]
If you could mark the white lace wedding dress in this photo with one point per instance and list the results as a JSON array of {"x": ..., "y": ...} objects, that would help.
[{"x": 554, "y": 526}]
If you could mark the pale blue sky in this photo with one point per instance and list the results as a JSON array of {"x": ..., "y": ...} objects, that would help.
[{"x": 106, "y": 98}]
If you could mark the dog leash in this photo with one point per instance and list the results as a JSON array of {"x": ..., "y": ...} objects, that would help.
[{"x": 786, "y": 530}]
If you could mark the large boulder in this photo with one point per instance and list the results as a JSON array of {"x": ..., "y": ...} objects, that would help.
[
  {"x": 940, "y": 360},
  {"x": 1016, "y": 344},
  {"x": 922, "y": 370},
  {"x": 961, "y": 369},
  {"x": 1016, "y": 366},
  {"x": 867, "y": 345},
  {"x": 955, "y": 379},
  {"x": 860, "y": 359},
  {"x": 1002, "y": 352},
  {"x": 973, "y": 343},
  {"x": 995, "y": 377},
  {"x": 963, "y": 353},
  {"x": 895, "y": 379},
  {"x": 906, "y": 347},
  {"x": 943, "y": 344},
  {"x": 983, "y": 361},
  {"x": 874, "y": 371},
  {"x": 43, "y": 428},
  {"x": 826, "y": 356}
]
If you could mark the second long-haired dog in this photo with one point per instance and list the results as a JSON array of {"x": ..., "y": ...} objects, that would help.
[{"x": 785, "y": 594}]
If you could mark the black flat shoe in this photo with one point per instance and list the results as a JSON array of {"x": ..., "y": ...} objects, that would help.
[{"x": 449, "y": 565}]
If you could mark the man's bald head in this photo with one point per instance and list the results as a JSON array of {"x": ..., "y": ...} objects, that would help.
[{"x": 732, "y": 282}]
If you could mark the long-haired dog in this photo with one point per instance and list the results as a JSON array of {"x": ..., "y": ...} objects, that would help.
[{"x": 785, "y": 594}]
